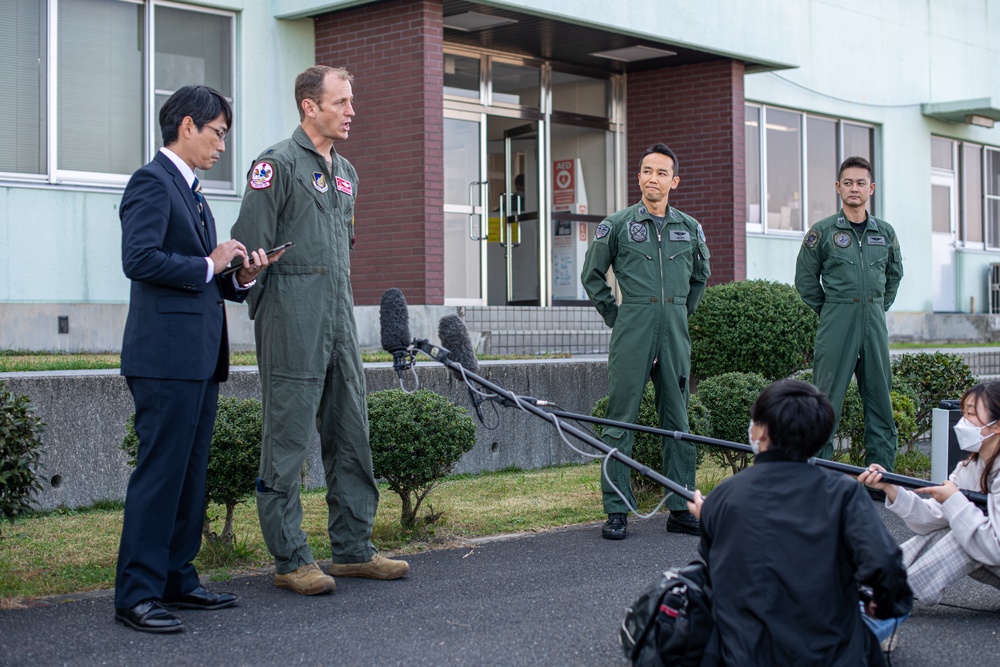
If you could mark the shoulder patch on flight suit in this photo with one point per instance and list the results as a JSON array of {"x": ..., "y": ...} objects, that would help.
[
  {"x": 811, "y": 239},
  {"x": 701, "y": 233},
  {"x": 319, "y": 182},
  {"x": 602, "y": 231},
  {"x": 842, "y": 239},
  {"x": 637, "y": 230},
  {"x": 261, "y": 175},
  {"x": 876, "y": 240},
  {"x": 678, "y": 235}
]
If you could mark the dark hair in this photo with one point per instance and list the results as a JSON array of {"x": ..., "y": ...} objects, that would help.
[
  {"x": 798, "y": 417},
  {"x": 309, "y": 84},
  {"x": 855, "y": 162},
  {"x": 989, "y": 394},
  {"x": 662, "y": 149},
  {"x": 202, "y": 103}
]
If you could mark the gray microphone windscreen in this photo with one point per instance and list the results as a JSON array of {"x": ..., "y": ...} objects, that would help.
[
  {"x": 455, "y": 337},
  {"x": 394, "y": 320}
]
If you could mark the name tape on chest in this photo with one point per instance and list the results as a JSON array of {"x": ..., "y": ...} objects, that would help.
[
  {"x": 876, "y": 240},
  {"x": 344, "y": 185},
  {"x": 679, "y": 235},
  {"x": 261, "y": 175}
]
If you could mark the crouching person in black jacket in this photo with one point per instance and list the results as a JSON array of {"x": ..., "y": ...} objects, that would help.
[{"x": 789, "y": 544}]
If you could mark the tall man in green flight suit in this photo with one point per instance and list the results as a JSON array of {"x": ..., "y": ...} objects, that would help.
[
  {"x": 848, "y": 271},
  {"x": 660, "y": 261},
  {"x": 311, "y": 373}
]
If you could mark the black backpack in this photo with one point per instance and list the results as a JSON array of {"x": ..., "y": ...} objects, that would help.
[{"x": 670, "y": 622}]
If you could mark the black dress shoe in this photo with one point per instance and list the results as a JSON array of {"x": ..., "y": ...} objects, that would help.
[
  {"x": 149, "y": 616},
  {"x": 200, "y": 598},
  {"x": 614, "y": 528},
  {"x": 683, "y": 522}
]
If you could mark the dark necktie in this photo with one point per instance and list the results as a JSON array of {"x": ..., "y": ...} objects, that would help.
[{"x": 196, "y": 188}]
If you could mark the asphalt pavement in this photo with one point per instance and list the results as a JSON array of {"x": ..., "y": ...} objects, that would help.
[{"x": 552, "y": 598}]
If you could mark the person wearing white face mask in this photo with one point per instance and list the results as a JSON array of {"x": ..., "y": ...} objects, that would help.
[{"x": 954, "y": 537}]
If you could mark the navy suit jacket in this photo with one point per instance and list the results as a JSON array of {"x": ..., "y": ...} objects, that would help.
[{"x": 176, "y": 326}]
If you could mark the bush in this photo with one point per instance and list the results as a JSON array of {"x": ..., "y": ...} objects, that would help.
[
  {"x": 934, "y": 377},
  {"x": 416, "y": 439},
  {"x": 646, "y": 447},
  {"x": 20, "y": 452},
  {"x": 728, "y": 398},
  {"x": 752, "y": 326},
  {"x": 233, "y": 459}
]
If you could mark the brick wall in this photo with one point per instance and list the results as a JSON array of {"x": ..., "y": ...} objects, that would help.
[
  {"x": 394, "y": 49},
  {"x": 697, "y": 110}
]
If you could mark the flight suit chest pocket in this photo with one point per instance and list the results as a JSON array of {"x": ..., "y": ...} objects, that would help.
[
  {"x": 636, "y": 260},
  {"x": 877, "y": 250}
]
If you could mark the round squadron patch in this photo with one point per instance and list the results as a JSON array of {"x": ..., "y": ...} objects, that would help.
[
  {"x": 842, "y": 239},
  {"x": 637, "y": 230},
  {"x": 261, "y": 175},
  {"x": 602, "y": 230},
  {"x": 811, "y": 239}
]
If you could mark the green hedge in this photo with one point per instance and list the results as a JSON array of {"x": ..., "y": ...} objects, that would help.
[
  {"x": 20, "y": 454},
  {"x": 752, "y": 326}
]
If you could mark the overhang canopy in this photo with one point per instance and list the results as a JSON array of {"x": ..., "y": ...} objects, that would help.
[{"x": 981, "y": 111}]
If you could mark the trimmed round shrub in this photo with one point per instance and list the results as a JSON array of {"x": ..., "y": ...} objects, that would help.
[
  {"x": 728, "y": 398},
  {"x": 646, "y": 447},
  {"x": 20, "y": 453},
  {"x": 416, "y": 440},
  {"x": 935, "y": 377},
  {"x": 752, "y": 326},
  {"x": 233, "y": 458}
]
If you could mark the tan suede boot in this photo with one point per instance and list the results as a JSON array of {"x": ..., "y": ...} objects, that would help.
[
  {"x": 307, "y": 580},
  {"x": 378, "y": 567}
]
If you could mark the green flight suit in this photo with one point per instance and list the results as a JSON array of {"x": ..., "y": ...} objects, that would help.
[
  {"x": 307, "y": 350},
  {"x": 661, "y": 276},
  {"x": 850, "y": 279}
]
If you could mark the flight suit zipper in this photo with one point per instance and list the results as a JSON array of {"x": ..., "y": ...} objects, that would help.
[{"x": 659, "y": 254}]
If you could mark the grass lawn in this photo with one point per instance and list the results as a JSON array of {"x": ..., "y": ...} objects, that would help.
[{"x": 70, "y": 551}]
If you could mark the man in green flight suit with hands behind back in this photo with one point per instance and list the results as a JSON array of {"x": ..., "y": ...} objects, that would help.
[
  {"x": 848, "y": 271},
  {"x": 661, "y": 263}
]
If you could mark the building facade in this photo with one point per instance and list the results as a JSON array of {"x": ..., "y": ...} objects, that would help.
[{"x": 491, "y": 138}]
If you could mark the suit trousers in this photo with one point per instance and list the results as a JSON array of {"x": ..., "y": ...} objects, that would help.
[{"x": 165, "y": 501}]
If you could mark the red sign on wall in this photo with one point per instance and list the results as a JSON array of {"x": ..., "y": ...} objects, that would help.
[{"x": 564, "y": 182}]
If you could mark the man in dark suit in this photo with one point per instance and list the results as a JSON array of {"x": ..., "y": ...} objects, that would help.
[{"x": 174, "y": 354}]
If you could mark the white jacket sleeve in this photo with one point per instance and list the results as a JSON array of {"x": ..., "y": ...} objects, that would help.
[{"x": 975, "y": 531}]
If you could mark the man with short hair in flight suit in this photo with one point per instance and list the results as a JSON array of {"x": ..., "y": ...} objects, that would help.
[
  {"x": 660, "y": 261},
  {"x": 848, "y": 271}
]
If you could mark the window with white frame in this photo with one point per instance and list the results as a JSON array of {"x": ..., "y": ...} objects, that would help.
[
  {"x": 976, "y": 170},
  {"x": 791, "y": 165},
  {"x": 88, "y": 80}
]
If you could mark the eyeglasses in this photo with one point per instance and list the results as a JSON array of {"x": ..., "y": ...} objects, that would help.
[{"x": 222, "y": 134}]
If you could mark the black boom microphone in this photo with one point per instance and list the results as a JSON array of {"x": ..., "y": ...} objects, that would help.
[
  {"x": 455, "y": 337},
  {"x": 395, "y": 323}
]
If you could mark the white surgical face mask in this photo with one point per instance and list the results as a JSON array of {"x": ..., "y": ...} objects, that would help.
[
  {"x": 754, "y": 444},
  {"x": 970, "y": 436}
]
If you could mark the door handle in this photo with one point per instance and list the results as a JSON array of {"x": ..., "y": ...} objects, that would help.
[
  {"x": 503, "y": 220},
  {"x": 475, "y": 234}
]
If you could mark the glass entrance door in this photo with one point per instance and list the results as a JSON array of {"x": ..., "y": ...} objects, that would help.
[
  {"x": 513, "y": 240},
  {"x": 464, "y": 219}
]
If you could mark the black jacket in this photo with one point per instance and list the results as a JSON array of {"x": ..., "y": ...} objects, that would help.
[{"x": 787, "y": 545}]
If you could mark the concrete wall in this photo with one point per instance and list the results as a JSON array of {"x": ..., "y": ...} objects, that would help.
[{"x": 85, "y": 413}]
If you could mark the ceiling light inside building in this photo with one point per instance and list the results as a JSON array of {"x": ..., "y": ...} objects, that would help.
[
  {"x": 631, "y": 54},
  {"x": 472, "y": 21}
]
